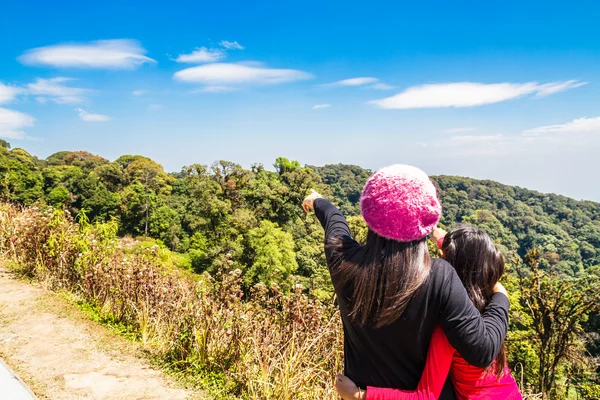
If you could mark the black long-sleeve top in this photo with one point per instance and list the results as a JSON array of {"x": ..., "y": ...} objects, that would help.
[{"x": 394, "y": 356}]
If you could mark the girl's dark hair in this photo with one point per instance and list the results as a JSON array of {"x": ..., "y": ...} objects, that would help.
[
  {"x": 479, "y": 265},
  {"x": 383, "y": 274}
]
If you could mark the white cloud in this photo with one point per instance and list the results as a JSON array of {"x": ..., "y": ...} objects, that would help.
[
  {"x": 474, "y": 144},
  {"x": 154, "y": 107},
  {"x": 139, "y": 92},
  {"x": 544, "y": 162},
  {"x": 56, "y": 90},
  {"x": 215, "y": 89},
  {"x": 12, "y": 122},
  {"x": 106, "y": 54},
  {"x": 577, "y": 135},
  {"x": 202, "y": 55},
  {"x": 320, "y": 106},
  {"x": 556, "y": 87},
  {"x": 231, "y": 45},
  {"x": 84, "y": 115},
  {"x": 354, "y": 82},
  {"x": 224, "y": 74},
  {"x": 578, "y": 125},
  {"x": 467, "y": 94},
  {"x": 382, "y": 86},
  {"x": 459, "y": 130},
  {"x": 7, "y": 93}
]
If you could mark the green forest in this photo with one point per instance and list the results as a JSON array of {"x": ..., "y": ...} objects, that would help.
[{"x": 244, "y": 228}]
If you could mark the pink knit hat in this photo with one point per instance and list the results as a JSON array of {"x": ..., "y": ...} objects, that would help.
[{"x": 399, "y": 202}]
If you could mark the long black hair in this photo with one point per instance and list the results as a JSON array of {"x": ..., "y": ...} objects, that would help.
[
  {"x": 384, "y": 275},
  {"x": 479, "y": 265}
]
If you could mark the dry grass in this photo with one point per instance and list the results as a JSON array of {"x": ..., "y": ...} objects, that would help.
[{"x": 268, "y": 346}]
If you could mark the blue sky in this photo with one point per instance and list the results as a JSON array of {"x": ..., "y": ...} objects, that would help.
[{"x": 506, "y": 91}]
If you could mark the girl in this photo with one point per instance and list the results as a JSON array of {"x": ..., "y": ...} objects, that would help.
[
  {"x": 392, "y": 295},
  {"x": 479, "y": 265}
]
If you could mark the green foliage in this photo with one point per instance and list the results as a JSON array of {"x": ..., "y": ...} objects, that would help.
[
  {"x": 57, "y": 196},
  {"x": 346, "y": 183},
  {"x": 20, "y": 179},
  {"x": 165, "y": 225},
  {"x": 358, "y": 227},
  {"x": 271, "y": 256},
  {"x": 558, "y": 305}
]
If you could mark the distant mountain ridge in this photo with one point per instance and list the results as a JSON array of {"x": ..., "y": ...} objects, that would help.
[
  {"x": 566, "y": 230},
  {"x": 148, "y": 201}
]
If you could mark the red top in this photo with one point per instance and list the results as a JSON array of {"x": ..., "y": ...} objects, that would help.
[{"x": 470, "y": 383}]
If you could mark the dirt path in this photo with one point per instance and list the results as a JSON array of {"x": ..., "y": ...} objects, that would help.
[{"x": 60, "y": 354}]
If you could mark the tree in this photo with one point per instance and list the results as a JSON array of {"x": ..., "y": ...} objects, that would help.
[
  {"x": 57, "y": 196},
  {"x": 20, "y": 178},
  {"x": 151, "y": 176},
  {"x": 270, "y": 254},
  {"x": 358, "y": 227},
  {"x": 165, "y": 224},
  {"x": 558, "y": 305},
  {"x": 82, "y": 159},
  {"x": 346, "y": 182},
  {"x": 134, "y": 205}
]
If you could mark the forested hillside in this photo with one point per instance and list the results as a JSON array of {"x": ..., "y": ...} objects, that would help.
[
  {"x": 567, "y": 231},
  {"x": 223, "y": 217}
]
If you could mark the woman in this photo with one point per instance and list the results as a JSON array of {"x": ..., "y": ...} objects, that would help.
[
  {"x": 392, "y": 295},
  {"x": 479, "y": 265}
]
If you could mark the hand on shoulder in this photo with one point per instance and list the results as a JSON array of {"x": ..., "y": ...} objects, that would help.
[{"x": 499, "y": 288}]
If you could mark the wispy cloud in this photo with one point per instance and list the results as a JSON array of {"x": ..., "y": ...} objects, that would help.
[
  {"x": 468, "y": 94},
  {"x": 8, "y": 93},
  {"x": 154, "y": 107},
  {"x": 202, "y": 55},
  {"x": 474, "y": 144},
  {"x": 56, "y": 90},
  {"x": 215, "y": 89},
  {"x": 13, "y": 122},
  {"x": 556, "y": 87},
  {"x": 103, "y": 54},
  {"x": 226, "y": 74},
  {"x": 231, "y": 45},
  {"x": 84, "y": 115},
  {"x": 459, "y": 130},
  {"x": 320, "y": 106},
  {"x": 139, "y": 92},
  {"x": 581, "y": 133},
  {"x": 578, "y": 125},
  {"x": 382, "y": 86},
  {"x": 354, "y": 82}
]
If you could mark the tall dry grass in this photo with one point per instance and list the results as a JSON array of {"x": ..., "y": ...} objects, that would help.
[{"x": 269, "y": 346}]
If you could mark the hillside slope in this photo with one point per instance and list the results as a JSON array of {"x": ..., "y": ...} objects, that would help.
[
  {"x": 566, "y": 230},
  {"x": 204, "y": 211}
]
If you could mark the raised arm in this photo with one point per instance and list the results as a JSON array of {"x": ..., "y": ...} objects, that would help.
[
  {"x": 333, "y": 221},
  {"x": 477, "y": 337}
]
